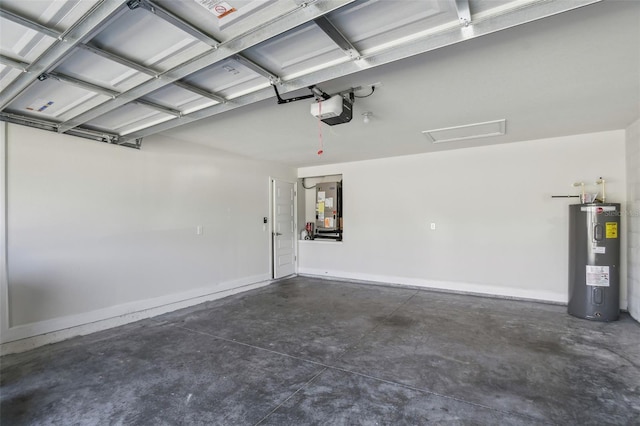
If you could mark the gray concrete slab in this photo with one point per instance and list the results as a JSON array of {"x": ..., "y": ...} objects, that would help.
[
  {"x": 152, "y": 375},
  {"x": 506, "y": 354},
  {"x": 339, "y": 398},
  {"x": 313, "y": 319},
  {"x": 308, "y": 351}
]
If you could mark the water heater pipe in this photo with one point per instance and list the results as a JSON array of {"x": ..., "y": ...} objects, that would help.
[
  {"x": 602, "y": 181},
  {"x": 582, "y": 198}
]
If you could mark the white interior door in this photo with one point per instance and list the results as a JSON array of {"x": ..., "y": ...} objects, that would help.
[{"x": 284, "y": 229}]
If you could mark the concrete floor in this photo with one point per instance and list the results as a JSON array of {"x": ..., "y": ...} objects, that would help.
[{"x": 306, "y": 351}]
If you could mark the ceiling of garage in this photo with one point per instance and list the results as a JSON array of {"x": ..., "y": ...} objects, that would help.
[{"x": 202, "y": 71}]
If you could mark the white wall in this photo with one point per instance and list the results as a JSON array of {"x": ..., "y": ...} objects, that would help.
[
  {"x": 498, "y": 230},
  {"x": 633, "y": 197},
  {"x": 96, "y": 231}
]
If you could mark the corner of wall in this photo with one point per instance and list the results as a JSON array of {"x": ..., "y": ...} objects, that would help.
[
  {"x": 4, "y": 279},
  {"x": 632, "y": 155}
]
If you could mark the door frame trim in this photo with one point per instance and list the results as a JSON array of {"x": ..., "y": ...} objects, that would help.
[{"x": 271, "y": 228}]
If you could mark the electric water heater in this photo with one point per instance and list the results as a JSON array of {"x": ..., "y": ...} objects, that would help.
[{"x": 594, "y": 261}]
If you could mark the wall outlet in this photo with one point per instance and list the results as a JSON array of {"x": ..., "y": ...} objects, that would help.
[
  {"x": 199, "y": 230},
  {"x": 433, "y": 226}
]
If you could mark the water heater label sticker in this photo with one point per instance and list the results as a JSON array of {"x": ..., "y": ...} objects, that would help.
[
  {"x": 612, "y": 229},
  {"x": 321, "y": 196},
  {"x": 598, "y": 276},
  {"x": 598, "y": 209},
  {"x": 328, "y": 222},
  {"x": 599, "y": 250},
  {"x": 320, "y": 207},
  {"x": 328, "y": 202}
]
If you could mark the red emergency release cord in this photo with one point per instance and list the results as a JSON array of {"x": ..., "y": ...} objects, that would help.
[{"x": 320, "y": 150}]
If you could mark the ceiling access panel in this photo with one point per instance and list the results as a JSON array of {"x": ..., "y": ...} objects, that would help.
[
  {"x": 95, "y": 69},
  {"x": 380, "y": 24},
  {"x": 145, "y": 39},
  {"x": 297, "y": 52},
  {"x": 54, "y": 101},
  {"x": 128, "y": 118},
  {"x": 228, "y": 78},
  {"x": 243, "y": 16},
  {"x": 180, "y": 99}
]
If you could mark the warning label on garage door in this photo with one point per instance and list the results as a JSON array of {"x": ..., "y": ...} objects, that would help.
[
  {"x": 598, "y": 276},
  {"x": 217, "y": 7}
]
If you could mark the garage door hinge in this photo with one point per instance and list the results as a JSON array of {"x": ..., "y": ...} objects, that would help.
[{"x": 133, "y": 4}]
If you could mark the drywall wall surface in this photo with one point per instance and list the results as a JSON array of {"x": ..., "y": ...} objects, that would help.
[
  {"x": 93, "y": 226},
  {"x": 497, "y": 229},
  {"x": 633, "y": 217}
]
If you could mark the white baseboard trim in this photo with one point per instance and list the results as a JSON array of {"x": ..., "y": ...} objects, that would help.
[
  {"x": 448, "y": 286},
  {"x": 28, "y": 336}
]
